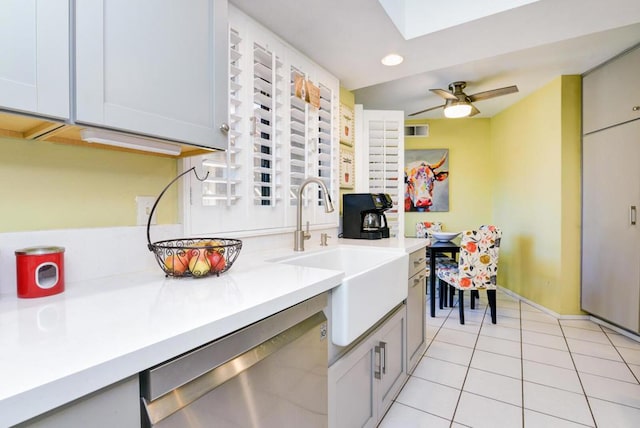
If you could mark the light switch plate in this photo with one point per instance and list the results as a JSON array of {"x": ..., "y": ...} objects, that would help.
[{"x": 144, "y": 204}]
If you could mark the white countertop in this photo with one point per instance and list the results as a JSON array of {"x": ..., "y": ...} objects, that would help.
[{"x": 59, "y": 348}]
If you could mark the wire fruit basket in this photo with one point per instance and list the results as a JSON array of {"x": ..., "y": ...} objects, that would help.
[{"x": 193, "y": 257}]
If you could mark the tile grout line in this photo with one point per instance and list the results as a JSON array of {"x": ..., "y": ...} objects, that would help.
[
  {"x": 595, "y": 424},
  {"x": 521, "y": 362},
  {"x": 469, "y": 365},
  {"x": 621, "y": 356}
]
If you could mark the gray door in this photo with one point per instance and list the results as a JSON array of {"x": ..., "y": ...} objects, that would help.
[{"x": 610, "y": 240}]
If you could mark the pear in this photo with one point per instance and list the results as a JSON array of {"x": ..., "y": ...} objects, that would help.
[{"x": 199, "y": 265}]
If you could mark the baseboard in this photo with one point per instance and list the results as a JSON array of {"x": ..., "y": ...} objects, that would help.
[{"x": 596, "y": 320}]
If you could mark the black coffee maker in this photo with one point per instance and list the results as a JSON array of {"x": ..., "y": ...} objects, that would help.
[{"x": 363, "y": 215}]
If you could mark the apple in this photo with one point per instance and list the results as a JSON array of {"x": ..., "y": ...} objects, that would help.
[
  {"x": 177, "y": 263},
  {"x": 199, "y": 265},
  {"x": 216, "y": 260}
]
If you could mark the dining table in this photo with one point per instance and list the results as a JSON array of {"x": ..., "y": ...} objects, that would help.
[{"x": 439, "y": 247}]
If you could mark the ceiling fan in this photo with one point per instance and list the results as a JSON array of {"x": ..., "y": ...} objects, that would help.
[{"x": 458, "y": 104}]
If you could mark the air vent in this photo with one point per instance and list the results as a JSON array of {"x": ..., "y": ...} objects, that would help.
[{"x": 416, "y": 131}]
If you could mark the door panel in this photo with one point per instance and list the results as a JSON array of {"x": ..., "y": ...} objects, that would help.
[{"x": 611, "y": 244}]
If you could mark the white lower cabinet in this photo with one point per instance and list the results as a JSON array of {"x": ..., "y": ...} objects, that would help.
[
  {"x": 416, "y": 308},
  {"x": 117, "y": 405},
  {"x": 364, "y": 382}
]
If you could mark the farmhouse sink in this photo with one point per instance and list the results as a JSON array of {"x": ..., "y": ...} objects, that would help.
[{"x": 375, "y": 282}]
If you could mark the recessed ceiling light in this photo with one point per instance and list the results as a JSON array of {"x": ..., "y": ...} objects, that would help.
[{"x": 392, "y": 59}]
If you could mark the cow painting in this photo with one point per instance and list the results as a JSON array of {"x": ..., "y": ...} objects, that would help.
[{"x": 420, "y": 179}]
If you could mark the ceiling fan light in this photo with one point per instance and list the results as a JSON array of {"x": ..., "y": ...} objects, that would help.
[{"x": 455, "y": 110}]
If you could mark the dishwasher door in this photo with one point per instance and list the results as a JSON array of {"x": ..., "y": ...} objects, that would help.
[{"x": 277, "y": 382}]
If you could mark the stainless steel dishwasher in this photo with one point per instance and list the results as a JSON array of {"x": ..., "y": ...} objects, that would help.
[{"x": 272, "y": 373}]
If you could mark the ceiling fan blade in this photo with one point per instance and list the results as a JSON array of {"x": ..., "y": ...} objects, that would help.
[
  {"x": 493, "y": 93},
  {"x": 444, "y": 94},
  {"x": 474, "y": 111},
  {"x": 426, "y": 110}
]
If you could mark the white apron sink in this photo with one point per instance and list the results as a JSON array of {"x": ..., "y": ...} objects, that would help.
[{"x": 375, "y": 282}]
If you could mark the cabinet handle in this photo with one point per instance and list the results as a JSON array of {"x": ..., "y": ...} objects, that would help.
[
  {"x": 418, "y": 261},
  {"x": 633, "y": 215},
  {"x": 417, "y": 280},
  {"x": 376, "y": 372},
  {"x": 635, "y": 108},
  {"x": 224, "y": 128},
  {"x": 383, "y": 357}
]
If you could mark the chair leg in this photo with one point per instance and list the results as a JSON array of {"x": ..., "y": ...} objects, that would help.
[
  {"x": 461, "y": 304},
  {"x": 472, "y": 301},
  {"x": 475, "y": 294},
  {"x": 491, "y": 296},
  {"x": 441, "y": 287},
  {"x": 452, "y": 293},
  {"x": 445, "y": 293}
]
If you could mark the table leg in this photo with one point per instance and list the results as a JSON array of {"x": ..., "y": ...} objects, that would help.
[{"x": 432, "y": 282}]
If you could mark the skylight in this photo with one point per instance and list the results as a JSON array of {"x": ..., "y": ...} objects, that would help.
[{"x": 415, "y": 18}]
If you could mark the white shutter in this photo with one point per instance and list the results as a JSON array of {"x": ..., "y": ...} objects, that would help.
[
  {"x": 266, "y": 117},
  {"x": 298, "y": 151},
  {"x": 382, "y": 153},
  {"x": 223, "y": 182},
  {"x": 325, "y": 131}
]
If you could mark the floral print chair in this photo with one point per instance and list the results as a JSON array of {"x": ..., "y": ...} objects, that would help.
[
  {"x": 424, "y": 230},
  {"x": 477, "y": 267}
]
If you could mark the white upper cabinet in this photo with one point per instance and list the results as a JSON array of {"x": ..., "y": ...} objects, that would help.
[
  {"x": 34, "y": 57},
  {"x": 611, "y": 93},
  {"x": 154, "y": 67}
]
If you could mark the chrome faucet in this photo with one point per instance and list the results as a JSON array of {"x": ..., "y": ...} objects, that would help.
[{"x": 299, "y": 235}]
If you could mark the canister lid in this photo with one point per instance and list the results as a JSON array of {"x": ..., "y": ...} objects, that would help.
[{"x": 39, "y": 250}]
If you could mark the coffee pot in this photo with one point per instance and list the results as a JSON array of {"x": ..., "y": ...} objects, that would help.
[
  {"x": 371, "y": 222},
  {"x": 363, "y": 215}
]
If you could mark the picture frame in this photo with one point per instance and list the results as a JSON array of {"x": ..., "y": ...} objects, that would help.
[
  {"x": 347, "y": 167},
  {"x": 426, "y": 182},
  {"x": 346, "y": 125}
]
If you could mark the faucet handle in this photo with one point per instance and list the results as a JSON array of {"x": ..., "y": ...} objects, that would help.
[
  {"x": 307, "y": 235},
  {"x": 323, "y": 239}
]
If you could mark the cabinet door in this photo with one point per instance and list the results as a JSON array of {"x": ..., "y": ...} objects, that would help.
[
  {"x": 392, "y": 360},
  {"x": 117, "y": 405},
  {"x": 611, "y": 93},
  {"x": 154, "y": 67},
  {"x": 610, "y": 240},
  {"x": 416, "y": 326},
  {"x": 351, "y": 388},
  {"x": 34, "y": 57}
]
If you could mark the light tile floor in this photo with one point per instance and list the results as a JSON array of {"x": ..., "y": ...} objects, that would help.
[{"x": 528, "y": 370}]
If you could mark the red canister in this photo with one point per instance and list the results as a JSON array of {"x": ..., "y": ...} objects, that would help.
[{"x": 40, "y": 271}]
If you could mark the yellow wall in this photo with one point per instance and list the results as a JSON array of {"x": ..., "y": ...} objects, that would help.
[
  {"x": 470, "y": 172},
  {"x": 536, "y": 162},
  {"x": 54, "y": 186},
  {"x": 347, "y": 98}
]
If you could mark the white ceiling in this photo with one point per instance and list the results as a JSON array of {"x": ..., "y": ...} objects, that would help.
[{"x": 526, "y": 46}]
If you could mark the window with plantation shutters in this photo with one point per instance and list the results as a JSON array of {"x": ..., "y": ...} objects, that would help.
[
  {"x": 276, "y": 140},
  {"x": 382, "y": 153}
]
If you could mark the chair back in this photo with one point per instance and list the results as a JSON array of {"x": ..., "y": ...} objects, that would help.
[
  {"x": 478, "y": 260},
  {"x": 424, "y": 228}
]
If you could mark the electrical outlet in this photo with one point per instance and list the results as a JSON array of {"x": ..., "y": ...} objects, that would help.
[{"x": 144, "y": 204}]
